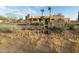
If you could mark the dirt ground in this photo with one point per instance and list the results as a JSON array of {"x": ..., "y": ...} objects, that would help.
[{"x": 32, "y": 41}]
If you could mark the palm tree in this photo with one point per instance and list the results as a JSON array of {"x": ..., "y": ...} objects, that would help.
[
  {"x": 42, "y": 11},
  {"x": 49, "y": 8}
]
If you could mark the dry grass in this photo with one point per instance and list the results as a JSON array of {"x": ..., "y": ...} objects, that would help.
[{"x": 32, "y": 41}]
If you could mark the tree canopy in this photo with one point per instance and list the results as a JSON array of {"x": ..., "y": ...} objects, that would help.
[{"x": 3, "y": 18}]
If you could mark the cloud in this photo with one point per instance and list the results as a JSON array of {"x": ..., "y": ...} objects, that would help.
[
  {"x": 39, "y": 7},
  {"x": 22, "y": 12},
  {"x": 2, "y": 10},
  {"x": 2, "y": 7},
  {"x": 31, "y": 11}
]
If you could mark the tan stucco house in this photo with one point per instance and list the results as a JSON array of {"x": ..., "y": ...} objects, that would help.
[{"x": 52, "y": 19}]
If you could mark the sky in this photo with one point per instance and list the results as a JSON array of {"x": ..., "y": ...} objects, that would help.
[{"x": 21, "y": 11}]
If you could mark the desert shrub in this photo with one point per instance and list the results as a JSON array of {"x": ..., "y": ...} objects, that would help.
[
  {"x": 35, "y": 24},
  {"x": 77, "y": 28},
  {"x": 69, "y": 26},
  {"x": 56, "y": 29},
  {"x": 9, "y": 28}
]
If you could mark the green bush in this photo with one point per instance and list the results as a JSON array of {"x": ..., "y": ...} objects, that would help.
[
  {"x": 69, "y": 26},
  {"x": 8, "y": 28},
  {"x": 56, "y": 29},
  {"x": 77, "y": 28}
]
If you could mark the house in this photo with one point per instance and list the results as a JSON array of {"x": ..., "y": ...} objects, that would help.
[
  {"x": 33, "y": 19},
  {"x": 52, "y": 19}
]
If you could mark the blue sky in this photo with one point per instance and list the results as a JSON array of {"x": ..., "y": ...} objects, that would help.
[{"x": 21, "y": 11}]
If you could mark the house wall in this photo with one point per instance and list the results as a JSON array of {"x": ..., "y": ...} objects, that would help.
[
  {"x": 58, "y": 18},
  {"x": 52, "y": 19},
  {"x": 36, "y": 20},
  {"x": 59, "y": 21}
]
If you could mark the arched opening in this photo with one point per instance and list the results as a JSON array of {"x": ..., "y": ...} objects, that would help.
[
  {"x": 52, "y": 19},
  {"x": 34, "y": 19}
]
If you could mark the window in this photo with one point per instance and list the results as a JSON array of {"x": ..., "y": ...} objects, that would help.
[
  {"x": 34, "y": 19},
  {"x": 40, "y": 19},
  {"x": 52, "y": 19}
]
